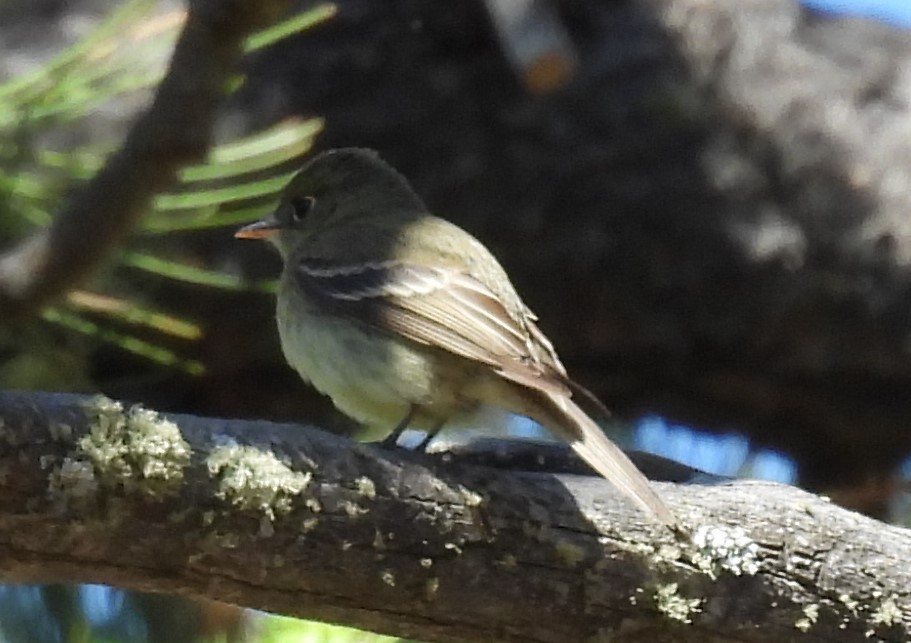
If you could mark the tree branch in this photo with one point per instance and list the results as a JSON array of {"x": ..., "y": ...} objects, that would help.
[
  {"x": 293, "y": 520},
  {"x": 175, "y": 130}
]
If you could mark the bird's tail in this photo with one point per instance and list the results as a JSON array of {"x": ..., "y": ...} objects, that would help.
[
  {"x": 589, "y": 441},
  {"x": 550, "y": 400}
]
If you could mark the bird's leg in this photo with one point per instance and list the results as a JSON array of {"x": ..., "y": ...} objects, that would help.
[
  {"x": 391, "y": 440},
  {"x": 431, "y": 434}
]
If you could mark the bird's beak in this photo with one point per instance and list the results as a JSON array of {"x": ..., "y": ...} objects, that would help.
[{"x": 258, "y": 229}]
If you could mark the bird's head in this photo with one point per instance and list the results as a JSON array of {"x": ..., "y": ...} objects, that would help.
[{"x": 345, "y": 184}]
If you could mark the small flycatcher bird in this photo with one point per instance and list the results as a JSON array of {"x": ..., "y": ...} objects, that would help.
[{"x": 406, "y": 320}]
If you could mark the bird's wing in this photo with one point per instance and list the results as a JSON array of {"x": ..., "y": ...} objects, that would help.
[
  {"x": 450, "y": 310},
  {"x": 436, "y": 306},
  {"x": 545, "y": 347}
]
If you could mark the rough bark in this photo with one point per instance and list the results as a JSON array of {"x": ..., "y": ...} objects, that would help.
[
  {"x": 305, "y": 523},
  {"x": 711, "y": 219}
]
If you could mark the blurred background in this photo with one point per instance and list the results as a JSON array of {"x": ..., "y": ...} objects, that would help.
[{"x": 706, "y": 209}]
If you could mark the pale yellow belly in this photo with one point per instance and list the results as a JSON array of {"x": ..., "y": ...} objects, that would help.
[{"x": 370, "y": 377}]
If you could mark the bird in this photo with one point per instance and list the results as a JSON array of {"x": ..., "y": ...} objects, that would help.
[{"x": 405, "y": 320}]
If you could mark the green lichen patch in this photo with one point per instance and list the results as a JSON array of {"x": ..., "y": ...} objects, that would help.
[
  {"x": 136, "y": 450},
  {"x": 809, "y": 618},
  {"x": 887, "y": 613},
  {"x": 851, "y": 603},
  {"x": 255, "y": 480},
  {"x": 73, "y": 480},
  {"x": 722, "y": 549},
  {"x": 470, "y": 498},
  {"x": 675, "y": 606},
  {"x": 366, "y": 487},
  {"x": 353, "y": 510},
  {"x": 60, "y": 432}
]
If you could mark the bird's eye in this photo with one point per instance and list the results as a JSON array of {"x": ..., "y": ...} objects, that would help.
[{"x": 300, "y": 206}]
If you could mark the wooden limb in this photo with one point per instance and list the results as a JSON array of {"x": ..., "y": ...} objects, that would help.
[{"x": 292, "y": 520}]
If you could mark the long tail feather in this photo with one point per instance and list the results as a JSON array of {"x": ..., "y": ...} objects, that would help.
[
  {"x": 551, "y": 400},
  {"x": 605, "y": 457}
]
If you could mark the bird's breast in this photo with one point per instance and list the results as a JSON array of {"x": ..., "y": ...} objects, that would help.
[{"x": 370, "y": 376}]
